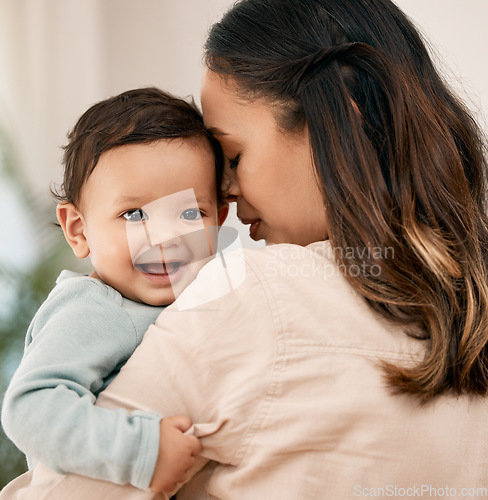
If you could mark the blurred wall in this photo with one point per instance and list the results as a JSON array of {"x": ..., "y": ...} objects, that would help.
[
  {"x": 57, "y": 57},
  {"x": 457, "y": 30}
]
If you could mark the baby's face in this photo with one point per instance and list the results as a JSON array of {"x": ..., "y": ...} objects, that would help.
[{"x": 151, "y": 217}]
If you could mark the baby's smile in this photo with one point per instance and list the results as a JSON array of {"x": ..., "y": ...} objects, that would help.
[{"x": 159, "y": 268}]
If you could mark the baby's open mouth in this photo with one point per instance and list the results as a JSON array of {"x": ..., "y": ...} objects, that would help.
[{"x": 160, "y": 268}]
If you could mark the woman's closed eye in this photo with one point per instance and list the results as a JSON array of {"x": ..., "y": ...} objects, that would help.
[
  {"x": 135, "y": 215},
  {"x": 191, "y": 214},
  {"x": 233, "y": 163}
]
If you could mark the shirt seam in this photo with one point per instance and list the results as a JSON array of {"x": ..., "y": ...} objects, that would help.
[
  {"x": 353, "y": 351},
  {"x": 275, "y": 372}
]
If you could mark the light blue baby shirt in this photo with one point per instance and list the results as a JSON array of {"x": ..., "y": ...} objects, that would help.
[{"x": 77, "y": 342}]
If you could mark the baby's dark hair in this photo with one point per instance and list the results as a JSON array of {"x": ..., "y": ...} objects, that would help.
[{"x": 138, "y": 116}]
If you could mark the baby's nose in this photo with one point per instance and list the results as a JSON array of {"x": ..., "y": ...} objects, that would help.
[{"x": 164, "y": 232}]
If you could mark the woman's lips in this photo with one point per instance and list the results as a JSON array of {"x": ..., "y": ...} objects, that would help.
[{"x": 253, "y": 228}]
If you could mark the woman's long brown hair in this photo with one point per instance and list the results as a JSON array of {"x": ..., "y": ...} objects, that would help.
[{"x": 401, "y": 162}]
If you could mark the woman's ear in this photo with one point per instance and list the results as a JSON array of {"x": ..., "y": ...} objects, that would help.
[{"x": 73, "y": 225}]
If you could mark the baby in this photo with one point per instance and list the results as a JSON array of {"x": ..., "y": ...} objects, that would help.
[{"x": 140, "y": 199}]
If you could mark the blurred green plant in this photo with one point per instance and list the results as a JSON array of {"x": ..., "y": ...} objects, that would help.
[{"x": 23, "y": 287}]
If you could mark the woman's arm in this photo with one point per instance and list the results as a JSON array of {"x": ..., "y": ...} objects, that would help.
[{"x": 214, "y": 363}]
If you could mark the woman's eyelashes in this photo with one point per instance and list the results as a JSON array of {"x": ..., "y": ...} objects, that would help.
[
  {"x": 233, "y": 163},
  {"x": 135, "y": 215}
]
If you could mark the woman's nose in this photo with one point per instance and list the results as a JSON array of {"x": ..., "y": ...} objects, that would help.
[
  {"x": 229, "y": 198},
  {"x": 230, "y": 187}
]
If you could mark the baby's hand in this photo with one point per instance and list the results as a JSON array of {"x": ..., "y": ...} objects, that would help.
[{"x": 177, "y": 453}]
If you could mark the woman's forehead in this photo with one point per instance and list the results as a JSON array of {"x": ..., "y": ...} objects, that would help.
[
  {"x": 224, "y": 107},
  {"x": 220, "y": 87},
  {"x": 219, "y": 99}
]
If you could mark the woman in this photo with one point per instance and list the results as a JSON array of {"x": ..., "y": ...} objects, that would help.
[{"x": 352, "y": 359}]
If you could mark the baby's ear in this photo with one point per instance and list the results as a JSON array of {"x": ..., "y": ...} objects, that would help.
[
  {"x": 223, "y": 212},
  {"x": 73, "y": 225}
]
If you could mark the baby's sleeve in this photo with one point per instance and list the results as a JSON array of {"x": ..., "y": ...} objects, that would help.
[{"x": 79, "y": 337}]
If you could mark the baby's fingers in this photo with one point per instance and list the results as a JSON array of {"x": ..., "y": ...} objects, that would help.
[
  {"x": 180, "y": 422},
  {"x": 194, "y": 445}
]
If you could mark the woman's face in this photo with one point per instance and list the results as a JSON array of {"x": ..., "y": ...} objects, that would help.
[{"x": 269, "y": 172}]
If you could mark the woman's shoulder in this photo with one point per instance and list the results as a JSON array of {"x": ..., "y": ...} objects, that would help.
[
  {"x": 295, "y": 267},
  {"x": 288, "y": 255},
  {"x": 317, "y": 305},
  {"x": 242, "y": 270}
]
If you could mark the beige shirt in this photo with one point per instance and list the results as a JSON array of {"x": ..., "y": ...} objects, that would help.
[{"x": 281, "y": 378}]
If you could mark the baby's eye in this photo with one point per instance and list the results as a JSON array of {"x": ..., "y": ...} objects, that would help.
[
  {"x": 136, "y": 215},
  {"x": 191, "y": 214}
]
